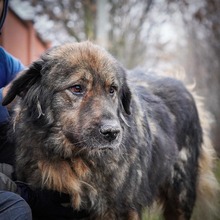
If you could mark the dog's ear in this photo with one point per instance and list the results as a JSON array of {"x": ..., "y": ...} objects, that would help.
[
  {"x": 22, "y": 84},
  {"x": 126, "y": 98}
]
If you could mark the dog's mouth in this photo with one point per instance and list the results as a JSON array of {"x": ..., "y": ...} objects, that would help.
[
  {"x": 94, "y": 143},
  {"x": 102, "y": 149}
]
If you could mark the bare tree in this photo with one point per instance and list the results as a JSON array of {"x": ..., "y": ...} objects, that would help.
[
  {"x": 202, "y": 60},
  {"x": 121, "y": 25}
]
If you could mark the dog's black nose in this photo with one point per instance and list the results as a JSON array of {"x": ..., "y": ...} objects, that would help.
[{"x": 110, "y": 131}]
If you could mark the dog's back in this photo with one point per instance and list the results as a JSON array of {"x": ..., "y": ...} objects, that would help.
[
  {"x": 176, "y": 137},
  {"x": 191, "y": 186}
]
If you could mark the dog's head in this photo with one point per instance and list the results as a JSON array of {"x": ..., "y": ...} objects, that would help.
[{"x": 77, "y": 94}]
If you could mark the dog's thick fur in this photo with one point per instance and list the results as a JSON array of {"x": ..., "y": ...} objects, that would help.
[{"x": 116, "y": 141}]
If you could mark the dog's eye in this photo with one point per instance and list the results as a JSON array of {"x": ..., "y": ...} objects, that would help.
[
  {"x": 112, "y": 90},
  {"x": 77, "y": 89}
]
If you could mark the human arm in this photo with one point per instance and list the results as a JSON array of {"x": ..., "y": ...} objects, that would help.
[
  {"x": 45, "y": 204},
  {"x": 9, "y": 68},
  {"x": 48, "y": 204}
]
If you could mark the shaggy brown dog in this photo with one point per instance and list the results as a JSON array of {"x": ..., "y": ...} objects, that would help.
[{"x": 115, "y": 141}]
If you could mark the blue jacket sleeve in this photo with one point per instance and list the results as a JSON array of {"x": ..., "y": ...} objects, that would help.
[{"x": 9, "y": 67}]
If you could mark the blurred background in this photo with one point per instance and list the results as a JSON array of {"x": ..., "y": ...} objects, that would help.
[{"x": 181, "y": 36}]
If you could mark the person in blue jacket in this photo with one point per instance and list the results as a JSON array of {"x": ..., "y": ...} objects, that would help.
[
  {"x": 17, "y": 199},
  {"x": 12, "y": 206},
  {"x": 9, "y": 67}
]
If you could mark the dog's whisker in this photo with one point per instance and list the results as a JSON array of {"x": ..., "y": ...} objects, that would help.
[{"x": 82, "y": 149}]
